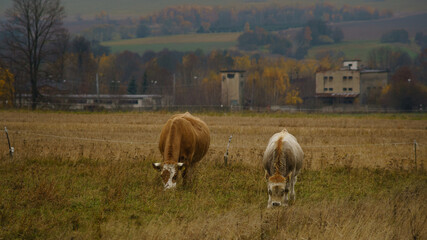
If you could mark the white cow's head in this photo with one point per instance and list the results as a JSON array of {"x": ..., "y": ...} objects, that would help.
[
  {"x": 169, "y": 173},
  {"x": 278, "y": 189}
]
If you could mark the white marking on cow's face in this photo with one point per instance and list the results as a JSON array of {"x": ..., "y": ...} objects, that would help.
[
  {"x": 277, "y": 194},
  {"x": 169, "y": 175}
]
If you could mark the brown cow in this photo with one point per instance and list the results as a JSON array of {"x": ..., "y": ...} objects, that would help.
[
  {"x": 184, "y": 141},
  {"x": 282, "y": 162}
]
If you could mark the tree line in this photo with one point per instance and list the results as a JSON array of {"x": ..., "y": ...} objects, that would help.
[
  {"x": 207, "y": 19},
  {"x": 43, "y": 59}
]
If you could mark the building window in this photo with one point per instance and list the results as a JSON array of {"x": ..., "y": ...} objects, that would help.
[
  {"x": 325, "y": 89},
  {"x": 344, "y": 78},
  {"x": 325, "y": 78},
  {"x": 330, "y": 78},
  {"x": 350, "y": 77},
  {"x": 331, "y": 89},
  {"x": 350, "y": 89},
  {"x": 344, "y": 89},
  {"x": 230, "y": 75}
]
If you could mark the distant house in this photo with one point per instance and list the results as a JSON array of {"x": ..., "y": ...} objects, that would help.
[
  {"x": 232, "y": 86},
  {"x": 350, "y": 84}
]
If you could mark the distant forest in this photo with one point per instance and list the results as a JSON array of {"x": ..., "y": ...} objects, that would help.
[{"x": 204, "y": 19}]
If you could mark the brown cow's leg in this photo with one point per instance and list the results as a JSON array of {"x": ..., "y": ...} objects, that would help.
[{"x": 187, "y": 176}]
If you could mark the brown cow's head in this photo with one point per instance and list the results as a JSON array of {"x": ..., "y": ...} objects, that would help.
[
  {"x": 278, "y": 189},
  {"x": 169, "y": 173}
]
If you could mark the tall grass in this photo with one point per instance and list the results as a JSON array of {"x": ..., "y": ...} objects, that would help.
[{"x": 81, "y": 188}]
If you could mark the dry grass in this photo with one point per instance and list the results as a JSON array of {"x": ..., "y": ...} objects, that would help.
[{"x": 88, "y": 176}]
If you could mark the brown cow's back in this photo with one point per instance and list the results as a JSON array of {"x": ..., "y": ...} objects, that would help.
[{"x": 184, "y": 138}]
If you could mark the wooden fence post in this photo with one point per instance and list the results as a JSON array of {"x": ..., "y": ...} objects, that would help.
[
  {"x": 11, "y": 149},
  {"x": 226, "y": 152}
]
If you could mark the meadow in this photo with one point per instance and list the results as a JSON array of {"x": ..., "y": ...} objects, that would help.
[
  {"x": 89, "y": 176},
  {"x": 213, "y": 41},
  {"x": 185, "y": 42}
]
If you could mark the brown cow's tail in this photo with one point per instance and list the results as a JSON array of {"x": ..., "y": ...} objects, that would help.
[{"x": 278, "y": 155}]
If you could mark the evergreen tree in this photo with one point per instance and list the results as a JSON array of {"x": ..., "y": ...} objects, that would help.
[
  {"x": 132, "y": 86},
  {"x": 144, "y": 83}
]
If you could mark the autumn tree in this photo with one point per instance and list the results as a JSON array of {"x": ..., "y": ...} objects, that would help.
[
  {"x": 7, "y": 89},
  {"x": 421, "y": 66},
  {"x": 109, "y": 76},
  {"x": 405, "y": 91},
  {"x": 388, "y": 58},
  {"x": 82, "y": 66},
  {"x": 143, "y": 30},
  {"x": 397, "y": 35},
  {"x": 31, "y": 28}
]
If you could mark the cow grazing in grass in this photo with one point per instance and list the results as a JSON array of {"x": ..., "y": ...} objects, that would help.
[
  {"x": 282, "y": 162},
  {"x": 184, "y": 141}
]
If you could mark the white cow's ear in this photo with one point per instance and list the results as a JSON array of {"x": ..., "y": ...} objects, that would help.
[
  {"x": 180, "y": 165},
  {"x": 157, "y": 166}
]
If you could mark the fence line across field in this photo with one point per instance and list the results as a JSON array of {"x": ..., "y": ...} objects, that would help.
[{"x": 216, "y": 146}]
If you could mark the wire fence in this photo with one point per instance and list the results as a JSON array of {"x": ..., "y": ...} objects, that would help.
[
  {"x": 157, "y": 106},
  {"x": 410, "y": 154},
  {"x": 217, "y": 146}
]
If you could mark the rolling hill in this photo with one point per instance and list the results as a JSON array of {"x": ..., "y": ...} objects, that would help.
[{"x": 132, "y": 8}]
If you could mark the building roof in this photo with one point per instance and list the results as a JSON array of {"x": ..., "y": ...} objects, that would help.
[
  {"x": 372, "y": 71},
  {"x": 351, "y": 60},
  {"x": 338, "y": 95}
]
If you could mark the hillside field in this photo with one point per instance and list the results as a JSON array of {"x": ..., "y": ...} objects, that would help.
[
  {"x": 360, "y": 37},
  {"x": 186, "y": 42},
  {"x": 89, "y": 176}
]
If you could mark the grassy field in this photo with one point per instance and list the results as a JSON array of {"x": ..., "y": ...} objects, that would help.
[
  {"x": 89, "y": 176},
  {"x": 187, "y": 42},
  {"x": 361, "y": 49}
]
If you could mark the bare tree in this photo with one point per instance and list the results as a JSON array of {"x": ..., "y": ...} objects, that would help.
[{"x": 31, "y": 29}]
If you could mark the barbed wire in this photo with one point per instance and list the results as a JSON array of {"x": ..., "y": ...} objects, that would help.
[{"x": 216, "y": 146}]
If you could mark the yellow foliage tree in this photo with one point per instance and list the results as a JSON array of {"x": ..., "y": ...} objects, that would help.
[
  {"x": 109, "y": 75},
  {"x": 242, "y": 63},
  {"x": 292, "y": 97},
  {"x": 277, "y": 82},
  {"x": 7, "y": 91}
]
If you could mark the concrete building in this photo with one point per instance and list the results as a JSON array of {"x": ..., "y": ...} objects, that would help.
[
  {"x": 350, "y": 84},
  {"x": 97, "y": 102},
  {"x": 232, "y": 86}
]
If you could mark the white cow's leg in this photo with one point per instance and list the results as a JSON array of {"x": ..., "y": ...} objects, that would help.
[{"x": 293, "y": 181}]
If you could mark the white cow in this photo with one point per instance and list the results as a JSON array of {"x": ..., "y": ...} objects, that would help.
[{"x": 282, "y": 162}]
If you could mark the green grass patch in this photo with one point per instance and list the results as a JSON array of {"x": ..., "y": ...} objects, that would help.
[
  {"x": 186, "y": 42},
  {"x": 52, "y": 198}
]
